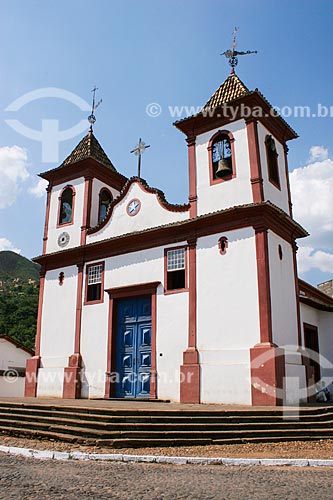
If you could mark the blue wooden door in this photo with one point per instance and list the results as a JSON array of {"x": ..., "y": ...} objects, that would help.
[{"x": 133, "y": 347}]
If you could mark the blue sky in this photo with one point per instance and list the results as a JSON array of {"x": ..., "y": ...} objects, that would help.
[{"x": 164, "y": 52}]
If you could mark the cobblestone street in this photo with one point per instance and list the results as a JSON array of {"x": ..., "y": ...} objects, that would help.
[{"x": 27, "y": 479}]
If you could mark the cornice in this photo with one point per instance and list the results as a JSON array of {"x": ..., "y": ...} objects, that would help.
[{"x": 262, "y": 216}]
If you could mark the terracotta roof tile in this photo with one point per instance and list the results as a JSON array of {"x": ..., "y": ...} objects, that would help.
[
  {"x": 232, "y": 88},
  {"x": 88, "y": 147}
]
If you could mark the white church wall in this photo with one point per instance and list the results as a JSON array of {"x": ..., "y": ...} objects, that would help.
[
  {"x": 74, "y": 230},
  {"x": 58, "y": 328},
  {"x": 226, "y": 194},
  {"x": 172, "y": 336},
  {"x": 151, "y": 214},
  {"x": 283, "y": 293},
  {"x": 94, "y": 336},
  {"x": 133, "y": 269},
  {"x": 228, "y": 317},
  {"x": 277, "y": 196},
  {"x": 96, "y": 189}
]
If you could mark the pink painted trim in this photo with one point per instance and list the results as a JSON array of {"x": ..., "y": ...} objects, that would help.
[
  {"x": 124, "y": 292},
  {"x": 78, "y": 316},
  {"x": 73, "y": 206},
  {"x": 86, "y": 209},
  {"x": 264, "y": 295},
  {"x": 109, "y": 353},
  {"x": 160, "y": 198},
  {"x": 179, "y": 290},
  {"x": 101, "y": 300},
  {"x": 255, "y": 164},
  {"x": 192, "y": 334},
  {"x": 47, "y": 217},
  {"x": 192, "y": 174},
  {"x": 213, "y": 181}
]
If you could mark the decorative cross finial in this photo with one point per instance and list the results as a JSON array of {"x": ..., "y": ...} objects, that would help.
[
  {"x": 94, "y": 106},
  {"x": 233, "y": 53},
  {"x": 138, "y": 151}
]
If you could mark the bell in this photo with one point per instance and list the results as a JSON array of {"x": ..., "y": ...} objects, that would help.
[{"x": 223, "y": 167}]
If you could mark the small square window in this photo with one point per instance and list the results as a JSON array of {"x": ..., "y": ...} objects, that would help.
[
  {"x": 94, "y": 283},
  {"x": 175, "y": 269}
]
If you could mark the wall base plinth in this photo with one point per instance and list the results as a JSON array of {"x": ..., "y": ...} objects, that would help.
[
  {"x": 72, "y": 379},
  {"x": 190, "y": 377},
  {"x": 267, "y": 375},
  {"x": 31, "y": 374}
]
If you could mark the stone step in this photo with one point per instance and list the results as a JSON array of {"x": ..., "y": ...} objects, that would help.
[
  {"x": 22, "y": 419},
  {"x": 155, "y": 434},
  {"x": 166, "y": 413},
  {"x": 167, "y": 418}
]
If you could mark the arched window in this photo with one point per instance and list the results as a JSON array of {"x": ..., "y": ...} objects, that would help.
[
  {"x": 105, "y": 198},
  {"x": 272, "y": 161},
  {"x": 66, "y": 205},
  {"x": 221, "y": 160}
]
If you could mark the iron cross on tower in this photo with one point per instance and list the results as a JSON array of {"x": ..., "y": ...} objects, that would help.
[
  {"x": 232, "y": 53},
  {"x": 138, "y": 151},
  {"x": 94, "y": 106}
]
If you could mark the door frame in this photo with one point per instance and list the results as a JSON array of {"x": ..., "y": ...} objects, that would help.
[{"x": 125, "y": 292}]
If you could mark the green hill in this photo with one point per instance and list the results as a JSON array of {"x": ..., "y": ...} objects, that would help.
[
  {"x": 19, "y": 288},
  {"x": 13, "y": 265}
]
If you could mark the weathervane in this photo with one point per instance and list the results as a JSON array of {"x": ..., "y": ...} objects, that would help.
[
  {"x": 94, "y": 106},
  {"x": 232, "y": 54},
  {"x": 138, "y": 151}
]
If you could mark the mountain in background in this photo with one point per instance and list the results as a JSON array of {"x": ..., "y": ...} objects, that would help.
[
  {"x": 13, "y": 265},
  {"x": 19, "y": 289}
]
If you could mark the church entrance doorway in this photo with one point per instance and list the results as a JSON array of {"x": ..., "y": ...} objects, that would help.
[{"x": 133, "y": 347}]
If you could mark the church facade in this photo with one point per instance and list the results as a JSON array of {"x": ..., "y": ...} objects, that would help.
[{"x": 197, "y": 303}]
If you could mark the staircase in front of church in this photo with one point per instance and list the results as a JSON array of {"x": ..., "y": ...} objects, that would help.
[{"x": 125, "y": 428}]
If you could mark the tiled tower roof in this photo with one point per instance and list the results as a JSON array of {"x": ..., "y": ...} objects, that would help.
[
  {"x": 88, "y": 147},
  {"x": 232, "y": 88}
]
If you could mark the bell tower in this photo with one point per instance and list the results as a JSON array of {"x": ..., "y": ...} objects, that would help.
[{"x": 237, "y": 160}]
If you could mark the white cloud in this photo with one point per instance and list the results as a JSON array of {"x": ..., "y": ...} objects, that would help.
[
  {"x": 309, "y": 258},
  {"x": 8, "y": 245},
  {"x": 38, "y": 189},
  {"x": 318, "y": 153},
  {"x": 13, "y": 171},
  {"x": 312, "y": 197}
]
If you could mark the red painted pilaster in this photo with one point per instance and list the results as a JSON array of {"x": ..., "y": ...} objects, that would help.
[
  {"x": 190, "y": 369},
  {"x": 47, "y": 216},
  {"x": 107, "y": 392},
  {"x": 86, "y": 208},
  {"x": 267, "y": 359},
  {"x": 192, "y": 173},
  {"x": 264, "y": 295},
  {"x": 32, "y": 365},
  {"x": 255, "y": 164}
]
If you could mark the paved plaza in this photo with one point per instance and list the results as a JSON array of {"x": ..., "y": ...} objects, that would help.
[{"x": 27, "y": 479}]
